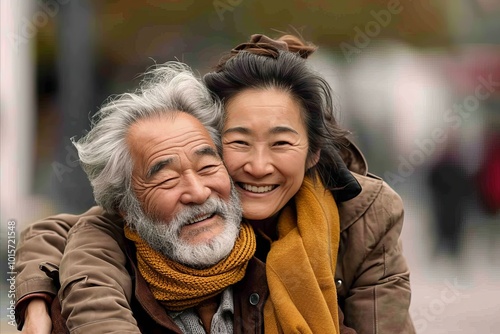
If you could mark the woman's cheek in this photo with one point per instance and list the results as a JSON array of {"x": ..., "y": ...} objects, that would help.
[{"x": 231, "y": 161}]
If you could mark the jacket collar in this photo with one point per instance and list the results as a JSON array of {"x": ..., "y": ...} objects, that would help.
[
  {"x": 350, "y": 211},
  {"x": 349, "y": 158},
  {"x": 357, "y": 191},
  {"x": 353, "y": 159}
]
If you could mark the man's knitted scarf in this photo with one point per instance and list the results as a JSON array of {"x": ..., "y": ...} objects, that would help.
[{"x": 179, "y": 287}]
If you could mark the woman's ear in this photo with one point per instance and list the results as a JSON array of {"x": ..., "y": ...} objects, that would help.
[{"x": 313, "y": 160}]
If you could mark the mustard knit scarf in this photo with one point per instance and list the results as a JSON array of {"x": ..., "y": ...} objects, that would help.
[
  {"x": 300, "y": 266},
  {"x": 179, "y": 287}
]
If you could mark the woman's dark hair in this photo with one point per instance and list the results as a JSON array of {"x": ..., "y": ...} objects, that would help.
[{"x": 265, "y": 63}]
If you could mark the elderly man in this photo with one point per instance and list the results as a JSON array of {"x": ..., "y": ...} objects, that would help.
[{"x": 153, "y": 157}]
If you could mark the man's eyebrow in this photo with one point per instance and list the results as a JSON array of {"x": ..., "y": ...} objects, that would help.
[
  {"x": 207, "y": 150},
  {"x": 158, "y": 166}
]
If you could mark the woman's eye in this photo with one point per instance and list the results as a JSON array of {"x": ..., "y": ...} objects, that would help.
[
  {"x": 281, "y": 143},
  {"x": 239, "y": 142}
]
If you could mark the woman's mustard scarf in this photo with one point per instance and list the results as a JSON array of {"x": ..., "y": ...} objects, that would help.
[
  {"x": 300, "y": 266},
  {"x": 179, "y": 287}
]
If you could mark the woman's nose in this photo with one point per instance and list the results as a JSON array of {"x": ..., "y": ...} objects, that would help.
[{"x": 259, "y": 163}]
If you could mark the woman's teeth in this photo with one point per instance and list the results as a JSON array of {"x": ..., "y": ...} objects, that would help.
[{"x": 256, "y": 189}]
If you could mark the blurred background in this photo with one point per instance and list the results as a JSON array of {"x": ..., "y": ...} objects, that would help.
[{"x": 417, "y": 83}]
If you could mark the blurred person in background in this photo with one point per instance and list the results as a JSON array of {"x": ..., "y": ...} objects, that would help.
[
  {"x": 321, "y": 220},
  {"x": 451, "y": 188}
]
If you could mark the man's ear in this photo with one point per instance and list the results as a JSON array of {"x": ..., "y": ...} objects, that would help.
[{"x": 313, "y": 160}]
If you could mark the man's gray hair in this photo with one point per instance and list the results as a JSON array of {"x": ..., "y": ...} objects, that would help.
[{"x": 165, "y": 90}]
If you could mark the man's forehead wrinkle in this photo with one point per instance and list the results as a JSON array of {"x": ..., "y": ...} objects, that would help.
[
  {"x": 172, "y": 145},
  {"x": 178, "y": 137}
]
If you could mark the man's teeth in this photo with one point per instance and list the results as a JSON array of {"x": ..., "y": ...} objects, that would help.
[
  {"x": 256, "y": 189},
  {"x": 199, "y": 219}
]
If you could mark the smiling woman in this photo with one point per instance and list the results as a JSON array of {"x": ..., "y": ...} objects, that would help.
[{"x": 265, "y": 147}]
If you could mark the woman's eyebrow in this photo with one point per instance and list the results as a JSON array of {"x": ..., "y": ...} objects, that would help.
[
  {"x": 246, "y": 131},
  {"x": 282, "y": 129},
  {"x": 237, "y": 129}
]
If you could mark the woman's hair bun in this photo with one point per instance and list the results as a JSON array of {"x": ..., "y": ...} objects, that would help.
[
  {"x": 295, "y": 44},
  {"x": 266, "y": 46}
]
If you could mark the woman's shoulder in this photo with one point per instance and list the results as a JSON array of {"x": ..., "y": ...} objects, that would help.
[
  {"x": 375, "y": 187},
  {"x": 376, "y": 202}
]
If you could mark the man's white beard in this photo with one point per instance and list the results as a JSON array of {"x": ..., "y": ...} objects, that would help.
[{"x": 164, "y": 236}]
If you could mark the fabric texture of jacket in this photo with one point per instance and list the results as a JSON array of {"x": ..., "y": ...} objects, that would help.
[{"x": 371, "y": 274}]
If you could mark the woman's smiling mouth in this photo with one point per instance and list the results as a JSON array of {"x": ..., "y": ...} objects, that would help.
[{"x": 257, "y": 189}]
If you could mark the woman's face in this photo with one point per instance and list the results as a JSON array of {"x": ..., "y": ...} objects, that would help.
[{"x": 265, "y": 149}]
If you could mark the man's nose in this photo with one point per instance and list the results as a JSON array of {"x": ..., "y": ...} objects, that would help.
[
  {"x": 195, "y": 190},
  {"x": 259, "y": 163}
]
